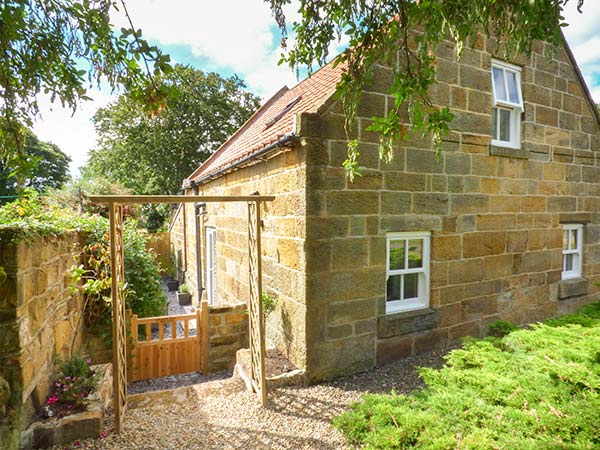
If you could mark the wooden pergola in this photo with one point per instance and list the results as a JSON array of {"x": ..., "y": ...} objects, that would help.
[{"x": 256, "y": 322}]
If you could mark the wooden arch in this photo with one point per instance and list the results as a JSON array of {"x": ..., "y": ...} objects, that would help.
[{"x": 256, "y": 322}]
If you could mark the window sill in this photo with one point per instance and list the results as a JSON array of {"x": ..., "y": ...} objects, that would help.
[
  {"x": 574, "y": 287},
  {"x": 397, "y": 324},
  {"x": 508, "y": 152}
]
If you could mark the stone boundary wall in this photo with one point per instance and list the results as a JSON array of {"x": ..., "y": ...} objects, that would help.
[
  {"x": 228, "y": 332},
  {"x": 38, "y": 319}
]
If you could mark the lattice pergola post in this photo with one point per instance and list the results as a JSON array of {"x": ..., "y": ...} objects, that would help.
[
  {"x": 256, "y": 322},
  {"x": 257, "y": 326},
  {"x": 117, "y": 270}
]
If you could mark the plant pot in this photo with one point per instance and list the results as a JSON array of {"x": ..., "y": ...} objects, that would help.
[
  {"x": 172, "y": 285},
  {"x": 184, "y": 298}
]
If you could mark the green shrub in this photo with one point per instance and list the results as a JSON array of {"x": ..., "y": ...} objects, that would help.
[
  {"x": 501, "y": 328},
  {"x": 532, "y": 389},
  {"x": 31, "y": 216},
  {"x": 74, "y": 383},
  {"x": 184, "y": 288},
  {"x": 268, "y": 303}
]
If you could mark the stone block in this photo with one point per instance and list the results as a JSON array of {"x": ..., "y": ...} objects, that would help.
[
  {"x": 465, "y": 271},
  {"x": 411, "y": 223},
  {"x": 490, "y": 222},
  {"x": 389, "y": 350},
  {"x": 395, "y": 202},
  {"x": 575, "y": 217},
  {"x": 423, "y": 161},
  {"x": 450, "y": 315},
  {"x": 352, "y": 202},
  {"x": 483, "y": 244},
  {"x": 469, "y": 203},
  {"x": 401, "y": 181},
  {"x": 429, "y": 203},
  {"x": 539, "y": 261},
  {"x": 518, "y": 153},
  {"x": 457, "y": 163},
  {"x": 497, "y": 267},
  {"x": 339, "y": 332},
  {"x": 458, "y": 332},
  {"x": 365, "y": 327},
  {"x": 351, "y": 311},
  {"x": 544, "y": 239},
  {"x": 446, "y": 248},
  {"x": 430, "y": 340},
  {"x": 562, "y": 204},
  {"x": 349, "y": 253},
  {"x": 477, "y": 308},
  {"x": 371, "y": 104},
  {"x": 326, "y": 227},
  {"x": 407, "y": 322},
  {"x": 572, "y": 288}
]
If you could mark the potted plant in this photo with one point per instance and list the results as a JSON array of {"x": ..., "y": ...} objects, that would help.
[
  {"x": 172, "y": 285},
  {"x": 183, "y": 296}
]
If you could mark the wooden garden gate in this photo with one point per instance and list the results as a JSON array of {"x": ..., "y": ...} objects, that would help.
[
  {"x": 257, "y": 344},
  {"x": 165, "y": 348}
]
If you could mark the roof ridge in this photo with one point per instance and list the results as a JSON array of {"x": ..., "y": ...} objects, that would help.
[{"x": 244, "y": 127}]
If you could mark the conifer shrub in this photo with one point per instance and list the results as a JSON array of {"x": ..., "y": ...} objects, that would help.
[{"x": 531, "y": 389}]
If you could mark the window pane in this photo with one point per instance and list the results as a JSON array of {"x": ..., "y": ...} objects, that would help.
[
  {"x": 494, "y": 123},
  {"x": 415, "y": 253},
  {"x": 393, "y": 288},
  {"x": 568, "y": 263},
  {"x": 565, "y": 239},
  {"x": 573, "y": 239},
  {"x": 513, "y": 88},
  {"x": 411, "y": 285},
  {"x": 505, "y": 125},
  {"x": 498, "y": 75},
  {"x": 397, "y": 255}
]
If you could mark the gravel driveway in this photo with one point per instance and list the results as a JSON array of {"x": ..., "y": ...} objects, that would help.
[{"x": 222, "y": 415}]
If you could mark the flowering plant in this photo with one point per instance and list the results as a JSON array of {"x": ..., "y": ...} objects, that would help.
[{"x": 74, "y": 383}]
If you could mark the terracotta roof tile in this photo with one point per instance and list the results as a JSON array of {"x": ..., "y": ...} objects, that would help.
[{"x": 258, "y": 132}]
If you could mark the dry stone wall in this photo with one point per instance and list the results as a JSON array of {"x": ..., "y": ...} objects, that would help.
[
  {"x": 495, "y": 215},
  {"x": 39, "y": 321}
]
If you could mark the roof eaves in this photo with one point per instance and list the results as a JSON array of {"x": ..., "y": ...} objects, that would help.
[{"x": 243, "y": 128}]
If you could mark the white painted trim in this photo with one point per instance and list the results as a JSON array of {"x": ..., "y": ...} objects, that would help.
[
  {"x": 577, "y": 253},
  {"x": 412, "y": 304}
]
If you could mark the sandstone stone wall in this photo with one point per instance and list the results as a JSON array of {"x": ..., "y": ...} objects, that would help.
[
  {"x": 495, "y": 215},
  {"x": 282, "y": 175},
  {"x": 228, "y": 332},
  {"x": 39, "y": 318}
]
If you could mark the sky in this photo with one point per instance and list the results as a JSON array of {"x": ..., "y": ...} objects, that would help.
[{"x": 241, "y": 37}]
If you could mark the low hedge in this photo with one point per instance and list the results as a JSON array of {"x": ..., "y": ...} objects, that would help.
[{"x": 532, "y": 389}]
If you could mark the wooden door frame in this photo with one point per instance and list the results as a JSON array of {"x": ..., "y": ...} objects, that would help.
[{"x": 257, "y": 341}]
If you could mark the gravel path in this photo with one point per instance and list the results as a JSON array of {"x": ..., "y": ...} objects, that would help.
[{"x": 222, "y": 415}]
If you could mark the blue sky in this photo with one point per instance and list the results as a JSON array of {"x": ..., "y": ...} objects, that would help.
[{"x": 240, "y": 37}]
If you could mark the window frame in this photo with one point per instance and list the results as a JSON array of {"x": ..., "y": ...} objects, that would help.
[
  {"x": 577, "y": 270},
  {"x": 421, "y": 302},
  {"x": 515, "y": 108}
]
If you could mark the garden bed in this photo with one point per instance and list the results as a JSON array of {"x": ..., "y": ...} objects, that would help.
[{"x": 83, "y": 425}]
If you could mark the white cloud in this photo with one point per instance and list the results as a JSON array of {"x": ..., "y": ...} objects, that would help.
[
  {"x": 583, "y": 36},
  {"x": 233, "y": 34},
  {"x": 73, "y": 132}
]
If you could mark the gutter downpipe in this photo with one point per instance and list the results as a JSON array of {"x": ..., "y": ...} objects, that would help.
[{"x": 197, "y": 214}]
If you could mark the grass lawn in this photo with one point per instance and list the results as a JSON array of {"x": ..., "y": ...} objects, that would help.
[{"x": 531, "y": 389}]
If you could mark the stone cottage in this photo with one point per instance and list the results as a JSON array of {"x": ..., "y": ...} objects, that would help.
[{"x": 420, "y": 252}]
